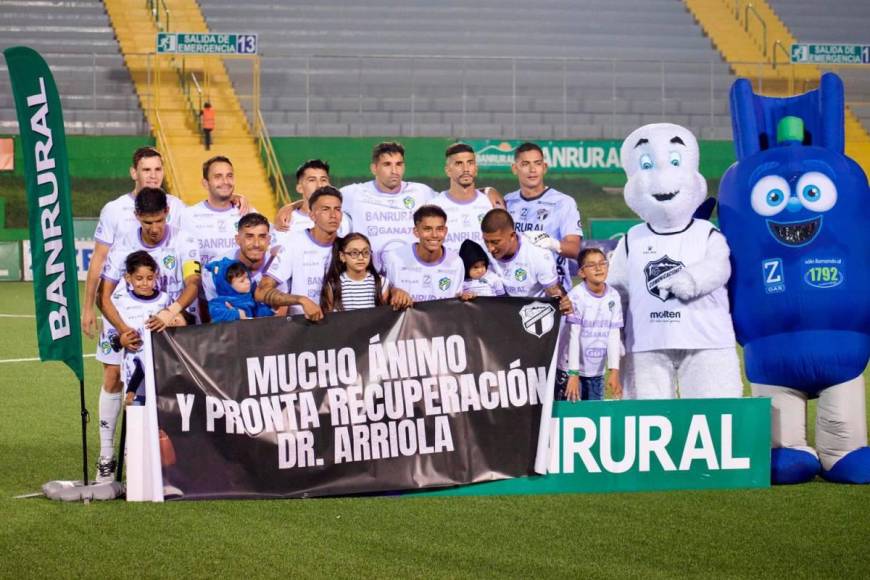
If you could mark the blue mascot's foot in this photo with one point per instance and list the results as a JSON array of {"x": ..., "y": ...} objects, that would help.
[
  {"x": 854, "y": 467},
  {"x": 789, "y": 466}
]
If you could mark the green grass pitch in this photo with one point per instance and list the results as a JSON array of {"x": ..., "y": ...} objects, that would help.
[{"x": 817, "y": 530}]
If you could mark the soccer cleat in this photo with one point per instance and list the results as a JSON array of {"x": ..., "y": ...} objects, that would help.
[{"x": 105, "y": 469}]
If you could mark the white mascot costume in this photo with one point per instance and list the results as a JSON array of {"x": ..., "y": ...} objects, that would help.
[{"x": 671, "y": 272}]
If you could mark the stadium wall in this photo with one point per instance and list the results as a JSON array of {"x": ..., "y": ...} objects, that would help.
[{"x": 107, "y": 157}]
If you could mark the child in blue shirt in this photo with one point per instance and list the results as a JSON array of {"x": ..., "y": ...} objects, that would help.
[{"x": 235, "y": 293}]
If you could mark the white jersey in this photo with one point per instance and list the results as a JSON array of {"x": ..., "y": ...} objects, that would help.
[
  {"x": 177, "y": 253},
  {"x": 208, "y": 286},
  {"x": 135, "y": 312},
  {"x": 424, "y": 281},
  {"x": 596, "y": 316},
  {"x": 463, "y": 218},
  {"x": 214, "y": 229},
  {"x": 118, "y": 217},
  {"x": 487, "y": 285},
  {"x": 387, "y": 219},
  {"x": 528, "y": 273},
  {"x": 658, "y": 321},
  {"x": 553, "y": 213},
  {"x": 301, "y": 264}
]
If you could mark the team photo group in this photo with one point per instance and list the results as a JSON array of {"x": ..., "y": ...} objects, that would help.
[{"x": 649, "y": 320}]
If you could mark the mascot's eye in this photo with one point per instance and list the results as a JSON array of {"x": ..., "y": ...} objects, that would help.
[
  {"x": 770, "y": 195},
  {"x": 674, "y": 158},
  {"x": 816, "y": 191},
  {"x": 646, "y": 162}
]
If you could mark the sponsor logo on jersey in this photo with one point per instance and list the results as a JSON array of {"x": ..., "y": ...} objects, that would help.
[
  {"x": 169, "y": 262},
  {"x": 444, "y": 283},
  {"x": 524, "y": 213},
  {"x": 427, "y": 280},
  {"x": 657, "y": 272},
  {"x": 664, "y": 315},
  {"x": 538, "y": 318},
  {"x": 520, "y": 274}
]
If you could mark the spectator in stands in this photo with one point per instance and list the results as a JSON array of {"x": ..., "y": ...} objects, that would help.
[
  {"x": 464, "y": 204},
  {"x": 549, "y": 217},
  {"x": 208, "y": 121}
]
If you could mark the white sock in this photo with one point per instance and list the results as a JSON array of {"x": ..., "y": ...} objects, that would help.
[{"x": 110, "y": 406}]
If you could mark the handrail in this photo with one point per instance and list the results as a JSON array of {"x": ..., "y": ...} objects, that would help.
[
  {"x": 154, "y": 7},
  {"x": 273, "y": 168},
  {"x": 778, "y": 44},
  {"x": 169, "y": 171},
  {"x": 750, "y": 7}
]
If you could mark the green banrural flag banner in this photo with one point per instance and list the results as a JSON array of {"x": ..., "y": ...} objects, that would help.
[
  {"x": 46, "y": 175},
  {"x": 649, "y": 445}
]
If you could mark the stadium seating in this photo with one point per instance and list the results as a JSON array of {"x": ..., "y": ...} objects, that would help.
[
  {"x": 589, "y": 69},
  {"x": 76, "y": 40},
  {"x": 844, "y": 21}
]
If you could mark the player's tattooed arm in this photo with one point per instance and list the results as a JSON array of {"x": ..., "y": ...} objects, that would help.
[{"x": 268, "y": 293}]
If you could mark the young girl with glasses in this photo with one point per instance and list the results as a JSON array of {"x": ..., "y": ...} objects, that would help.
[{"x": 351, "y": 281}]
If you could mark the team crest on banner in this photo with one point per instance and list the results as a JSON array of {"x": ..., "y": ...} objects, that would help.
[
  {"x": 657, "y": 271},
  {"x": 538, "y": 318}
]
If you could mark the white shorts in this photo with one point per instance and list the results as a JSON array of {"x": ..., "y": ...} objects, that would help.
[{"x": 105, "y": 354}]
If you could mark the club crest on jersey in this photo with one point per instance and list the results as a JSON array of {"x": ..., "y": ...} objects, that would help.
[
  {"x": 520, "y": 274},
  {"x": 538, "y": 318},
  {"x": 409, "y": 202},
  {"x": 105, "y": 346},
  {"x": 169, "y": 262},
  {"x": 659, "y": 270},
  {"x": 480, "y": 217},
  {"x": 542, "y": 214},
  {"x": 444, "y": 283}
]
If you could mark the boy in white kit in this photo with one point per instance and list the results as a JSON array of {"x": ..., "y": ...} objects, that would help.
[{"x": 594, "y": 333}]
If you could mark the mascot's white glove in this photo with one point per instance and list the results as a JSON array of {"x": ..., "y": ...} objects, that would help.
[
  {"x": 543, "y": 240},
  {"x": 681, "y": 285}
]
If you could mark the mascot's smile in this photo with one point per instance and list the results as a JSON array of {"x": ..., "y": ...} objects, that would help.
[
  {"x": 795, "y": 233},
  {"x": 666, "y": 196}
]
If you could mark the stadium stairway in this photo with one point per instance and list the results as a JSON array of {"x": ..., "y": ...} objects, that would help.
[
  {"x": 171, "y": 114},
  {"x": 747, "y": 34}
]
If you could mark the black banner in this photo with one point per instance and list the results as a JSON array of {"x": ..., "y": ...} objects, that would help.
[{"x": 373, "y": 400}]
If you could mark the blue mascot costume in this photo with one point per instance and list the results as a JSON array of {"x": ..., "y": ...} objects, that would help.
[{"x": 796, "y": 213}]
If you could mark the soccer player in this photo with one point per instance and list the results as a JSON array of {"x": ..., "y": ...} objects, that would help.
[
  {"x": 213, "y": 220},
  {"x": 549, "y": 216},
  {"x": 426, "y": 269},
  {"x": 177, "y": 255},
  {"x": 383, "y": 208},
  {"x": 524, "y": 269},
  {"x": 295, "y": 217},
  {"x": 464, "y": 204},
  {"x": 117, "y": 218},
  {"x": 301, "y": 263},
  {"x": 251, "y": 248}
]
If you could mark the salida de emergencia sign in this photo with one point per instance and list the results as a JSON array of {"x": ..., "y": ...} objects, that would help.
[{"x": 206, "y": 43}]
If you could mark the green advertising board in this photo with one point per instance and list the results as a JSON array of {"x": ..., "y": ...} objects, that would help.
[
  {"x": 560, "y": 156},
  {"x": 605, "y": 446},
  {"x": 206, "y": 43},
  {"x": 10, "y": 261}
]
